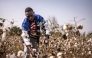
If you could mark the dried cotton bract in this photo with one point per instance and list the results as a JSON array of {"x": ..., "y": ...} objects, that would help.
[{"x": 79, "y": 26}]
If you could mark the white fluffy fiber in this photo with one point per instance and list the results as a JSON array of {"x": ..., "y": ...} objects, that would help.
[
  {"x": 5, "y": 31},
  {"x": 25, "y": 37},
  {"x": 24, "y": 34},
  {"x": 59, "y": 54}
]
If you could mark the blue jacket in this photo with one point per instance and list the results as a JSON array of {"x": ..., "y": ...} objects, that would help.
[{"x": 26, "y": 23}]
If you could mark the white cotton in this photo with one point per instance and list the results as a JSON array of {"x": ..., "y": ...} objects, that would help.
[
  {"x": 83, "y": 49},
  {"x": 88, "y": 48},
  {"x": 13, "y": 55},
  {"x": 4, "y": 29},
  {"x": 59, "y": 57},
  {"x": 47, "y": 31},
  {"x": 82, "y": 53},
  {"x": 67, "y": 34},
  {"x": 34, "y": 50},
  {"x": 70, "y": 51},
  {"x": 90, "y": 40},
  {"x": 8, "y": 55},
  {"x": 27, "y": 41},
  {"x": 3, "y": 37},
  {"x": 25, "y": 48},
  {"x": 24, "y": 34},
  {"x": 79, "y": 25},
  {"x": 74, "y": 38},
  {"x": 21, "y": 54},
  {"x": 89, "y": 52},
  {"x": 66, "y": 31},
  {"x": 59, "y": 54},
  {"x": 82, "y": 43},
  {"x": 51, "y": 57},
  {"x": 64, "y": 27},
  {"x": 75, "y": 45}
]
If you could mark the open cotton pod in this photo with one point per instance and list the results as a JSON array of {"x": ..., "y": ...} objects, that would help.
[
  {"x": 79, "y": 26},
  {"x": 5, "y": 31},
  {"x": 8, "y": 29},
  {"x": 34, "y": 50},
  {"x": 77, "y": 32},
  {"x": 25, "y": 37},
  {"x": 24, "y": 34},
  {"x": 52, "y": 57},
  {"x": 67, "y": 27},
  {"x": 59, "y": 55},
  {"x": 20, "y": 54}
]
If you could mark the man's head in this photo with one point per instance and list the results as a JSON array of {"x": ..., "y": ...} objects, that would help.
[{"x": 29, "y": 13}]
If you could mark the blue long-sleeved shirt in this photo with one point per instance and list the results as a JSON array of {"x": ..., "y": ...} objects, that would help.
[{"x": 26, "y": 22}]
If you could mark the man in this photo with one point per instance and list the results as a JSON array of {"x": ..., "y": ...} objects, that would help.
[{"x": 31, "y": 25}]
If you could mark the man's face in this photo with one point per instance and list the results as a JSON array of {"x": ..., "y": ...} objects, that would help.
[{"x": 30, "y": 15}]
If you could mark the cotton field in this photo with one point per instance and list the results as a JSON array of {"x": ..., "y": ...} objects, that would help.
[
  {"x": 56, "y": 47},
  {"x": 70, "y": 44}
]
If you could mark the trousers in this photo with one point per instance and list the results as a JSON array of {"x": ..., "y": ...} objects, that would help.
[{"x": 35, "y": 45}]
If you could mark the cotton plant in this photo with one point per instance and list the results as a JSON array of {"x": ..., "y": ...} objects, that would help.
[
  {"x": 5, "y": 30},
  {"x": 59, "y": 55}
]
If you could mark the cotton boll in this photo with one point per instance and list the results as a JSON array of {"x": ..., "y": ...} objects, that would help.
[
  {"x": 88, "y": 48},
  {"x": 4, "y": 34},
  {"x": 34, "y": 50},
  {"x": 79, "y": 26},
  {"x": 51, "y": 57},
  {"x": 21, "y": 53},
  {"x": 4, "y": 29},
  {"x": 70, "y": 51},
  {"x": 24, "y": 34},
  {"x": 67, "y": 34},
  {"x": 3, "y": 37},
  {"x": 27, "y": 41},
  {"x": 90, "y": 40},
  {"x": 13, "y": 55},
  {"x": 82, "y": 53},
  {"x": 82, "y": 43},
  {"x": 89, "y": 52},
  {"x": 75, "y": 45},
  {"x": 47, "y": 32},
  {"x": 59, "y": 54},
  {"x": 75, "y": 38},
  {"x": 65, "y": 27}
]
